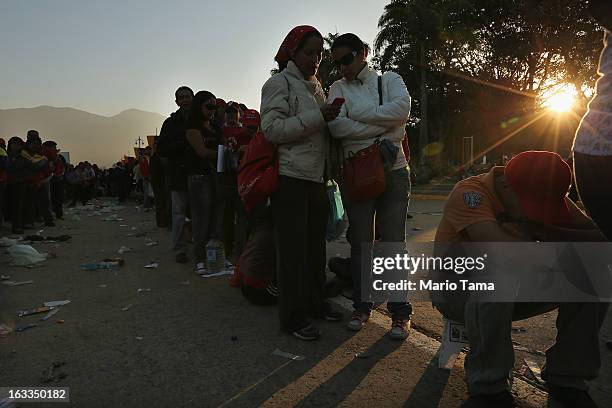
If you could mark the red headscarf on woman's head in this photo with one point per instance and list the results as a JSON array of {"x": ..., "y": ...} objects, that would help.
[{"x": 291, "y": 42}]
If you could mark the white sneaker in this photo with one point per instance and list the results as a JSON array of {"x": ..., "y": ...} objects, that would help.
[{"x": 200, "y": 268}]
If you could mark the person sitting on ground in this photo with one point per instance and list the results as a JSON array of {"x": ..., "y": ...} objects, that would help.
[
  {"x": 530, "y": 191},
  {"x": 255, "y": 271}
]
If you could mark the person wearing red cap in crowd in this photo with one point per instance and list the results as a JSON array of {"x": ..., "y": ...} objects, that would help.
[
  {"x": 524, "y": 201},
  {"x": 294, "y": 117},
  {"x": 234, "y": 215},
  {"x": 17, "y": 172},
  {"x": 4, "y": 160},
  {"x": 255, "y": 271},
  {"x": 220, "y": 113},
  {"x": 56, "y": 193},
  {"x": 37, "y": 193}
]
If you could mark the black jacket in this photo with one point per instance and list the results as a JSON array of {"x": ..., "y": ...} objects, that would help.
[{"x": 171, "y": 145}]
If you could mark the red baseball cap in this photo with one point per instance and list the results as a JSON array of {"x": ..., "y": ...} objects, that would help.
[
  {"x": 250, "y": 118},
  {"x": 541, "y": 181}
]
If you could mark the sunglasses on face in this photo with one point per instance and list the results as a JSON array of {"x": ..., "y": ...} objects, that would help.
[
  {"x": 346, "y": 59},
  {"x": 211, "y": 107}
]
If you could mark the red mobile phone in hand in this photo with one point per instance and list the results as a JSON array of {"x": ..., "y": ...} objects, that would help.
[{"x": 338, "y": 101}]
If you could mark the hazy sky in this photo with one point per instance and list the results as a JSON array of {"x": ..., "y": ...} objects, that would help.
[{"x": 108, "y": 56}]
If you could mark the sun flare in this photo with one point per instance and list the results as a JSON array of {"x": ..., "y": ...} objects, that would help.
[{"x": 561, "y": 99}]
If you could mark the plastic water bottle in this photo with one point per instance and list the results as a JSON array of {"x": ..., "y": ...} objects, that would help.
[
  {"x": 93, "y": 266},
  {"x": 215, "y": 256}
]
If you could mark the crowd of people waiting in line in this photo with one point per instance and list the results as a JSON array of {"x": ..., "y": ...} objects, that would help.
[
  {"x": 280, "y": 245},
  {"x": 36, "y": 182},
  {"x": 283, "y": 261}
]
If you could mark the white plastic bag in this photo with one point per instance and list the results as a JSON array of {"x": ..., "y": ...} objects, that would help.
[{"x": 25, "y": 255}]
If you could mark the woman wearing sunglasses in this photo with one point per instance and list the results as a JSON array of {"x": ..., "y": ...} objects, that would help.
[
  {"x": 202, "y": 138},
  {"x": 294, "y": 117},
  {"x": 361, "y": 121}
]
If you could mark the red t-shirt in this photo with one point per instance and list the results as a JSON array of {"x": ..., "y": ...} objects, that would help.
[{"x": 241, "y": 135}]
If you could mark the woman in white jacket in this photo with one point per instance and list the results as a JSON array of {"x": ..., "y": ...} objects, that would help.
[
  {"x": 294, "y": 117},
  {"x": 362, "y": 119}
]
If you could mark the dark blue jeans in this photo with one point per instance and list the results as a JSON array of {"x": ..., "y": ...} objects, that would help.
[{"x": 390, "y": 210}]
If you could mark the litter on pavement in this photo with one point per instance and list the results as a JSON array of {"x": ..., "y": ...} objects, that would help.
[
  {"x": 13, "y": 283},
  {"x": 143, "y": 290},
  {"x": 25, "y": 327},
  {"x": 36, "y": 310},
  {"x": 126, "y": 308},
  {"x": 25, "y": 255},
  {"x": 36, "y": 238},
  {"x": 216, "y": 274},
  {"x": 123, "y": 250},
  {"x": 5, "y": 330},
  {"x": 290, "y": 356},
  {"x": 152, "y": 265},
  {"x": 6, "y": 242},
  {"x": 534, "y": 368},
  {"x": 56, "y": 303},
  {"x": 50, "y": 314}
]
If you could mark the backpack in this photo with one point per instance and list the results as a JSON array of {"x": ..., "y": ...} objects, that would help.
[{"x": 258, "y": 172}]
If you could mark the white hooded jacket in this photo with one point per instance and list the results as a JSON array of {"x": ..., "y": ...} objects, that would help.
[
  {"x": 291, "y": 118},
  {"x": 362, "y": 119}
]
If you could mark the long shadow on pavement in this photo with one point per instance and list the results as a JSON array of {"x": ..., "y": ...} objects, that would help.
[
  {"x": 341, "y": 385},
  {"x": 429, "y": 390}
]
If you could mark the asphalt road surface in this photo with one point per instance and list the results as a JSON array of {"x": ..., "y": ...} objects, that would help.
[{"x": 187, "y": 341}]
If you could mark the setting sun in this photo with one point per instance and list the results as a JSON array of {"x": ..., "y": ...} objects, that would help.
[{"x": 560, "y": 99}]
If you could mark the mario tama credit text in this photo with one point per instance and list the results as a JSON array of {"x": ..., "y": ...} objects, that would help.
[
  {"x": 432, "y": 285},
  {"x": 420, "y": 270},
  {"x": 494, "y": 272}
]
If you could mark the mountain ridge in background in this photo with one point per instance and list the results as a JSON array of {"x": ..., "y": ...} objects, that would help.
[{"x": 87, "y": 136}]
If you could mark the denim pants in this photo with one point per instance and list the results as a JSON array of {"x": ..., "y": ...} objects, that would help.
[
  {"x": 299, "y": 210},
  {"x": 234, "y": 223},
  {"x": 179, "y": 210},
  {"x": 570, "y": 362},
  {"x": 390, "y": 210},
  {"x": 206, "y": 201}
]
